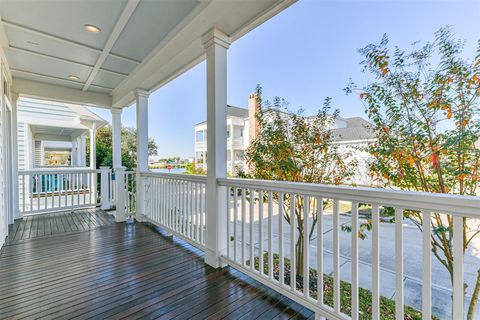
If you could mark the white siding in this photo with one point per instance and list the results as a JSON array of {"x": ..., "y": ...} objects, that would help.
[
  {"x": 45, "y": 110},
  {"x": 21, "y": 144}
]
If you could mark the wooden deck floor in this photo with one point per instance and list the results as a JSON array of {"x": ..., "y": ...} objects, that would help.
[
  {"x": 58, "y": 223},
  {"x": 113, "y": 270}
]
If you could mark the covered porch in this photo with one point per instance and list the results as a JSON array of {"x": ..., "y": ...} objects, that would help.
[{"x": 84, "y": 265}]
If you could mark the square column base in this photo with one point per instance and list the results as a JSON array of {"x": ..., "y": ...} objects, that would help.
[
  {"x": 213, "y": 260},
  {"x": 140, "y": 217},
  {"x": 119, "y": 218}
]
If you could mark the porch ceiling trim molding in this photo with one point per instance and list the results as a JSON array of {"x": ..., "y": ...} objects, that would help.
[{"x": 41, "y": 90}]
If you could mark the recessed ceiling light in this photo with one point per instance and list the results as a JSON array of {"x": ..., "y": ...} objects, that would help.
[
  {"x": 92, "y": 28},
  {"x": 73, "y": 77}
]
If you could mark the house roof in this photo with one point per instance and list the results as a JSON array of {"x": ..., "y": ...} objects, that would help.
[
  {"x": 357, "y": 129},
  {"x": 232, "y": 111}
]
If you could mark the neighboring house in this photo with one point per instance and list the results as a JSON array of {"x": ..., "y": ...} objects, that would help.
[
  {"x": 52, "y": 134},
  {"x": 237, "y": 119},
  {"x": 351, "y": 134}
]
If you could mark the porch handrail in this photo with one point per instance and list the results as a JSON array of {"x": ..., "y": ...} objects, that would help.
[
  {"x": 444, "y": 203},
  {"x": 59, "y": 170},
  {"x": 187, "y": 177}
]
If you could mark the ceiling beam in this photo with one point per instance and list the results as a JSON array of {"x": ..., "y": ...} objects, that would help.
[
  {"x": 28, "y": 73},
  {"x": 34, "y": 89},
  {"x": 63, "y": 40},
  {"x": 117, "y": 30},
  {"x": 43, "y": 55},
  {"x": 53, "y": 137}
]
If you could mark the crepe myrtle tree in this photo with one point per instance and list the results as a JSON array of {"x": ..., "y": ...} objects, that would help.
[
  {"x": 424, "y": 106},
  {"x": 291, "y": 147}
]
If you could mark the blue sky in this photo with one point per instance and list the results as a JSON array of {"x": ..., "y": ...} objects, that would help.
[{"x": 304, "y": 54}]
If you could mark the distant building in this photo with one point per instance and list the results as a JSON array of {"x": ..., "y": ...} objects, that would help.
[
  {"x": 351, "y": 134},
  {"x": 237, "y": 140}
]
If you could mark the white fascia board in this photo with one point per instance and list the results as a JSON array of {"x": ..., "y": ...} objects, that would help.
[
  {"x": 38, "y": 121},
  {"x": 183, "y": 48},
  {"x": 200, "y": 126},
  {"x": 52, "y": 137},
  {"x": 354, "y": 142},
  {"x": 45, "y": 91},
  {"x": 238, "y": 121},
  {"x": 67, "y": 144}
]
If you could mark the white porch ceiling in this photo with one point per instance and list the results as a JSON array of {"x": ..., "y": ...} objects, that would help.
[{"x": 142, "y": 43}]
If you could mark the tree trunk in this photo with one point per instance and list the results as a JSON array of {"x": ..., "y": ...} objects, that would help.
[
  {"x": 299, "y": 256},
  {"x": 473, "y": 302}
]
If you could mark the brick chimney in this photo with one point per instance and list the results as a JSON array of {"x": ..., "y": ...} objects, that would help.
[{"x": 253, "y": 108}]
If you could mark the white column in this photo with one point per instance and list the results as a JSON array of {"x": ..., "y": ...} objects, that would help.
[
  {"x": 216, "y": 44},
  {"x": 232, "y": 152},
  {"x": 105, "y": 187},
  {"x": 93, "y": 161},
  {"x": 120, "y": 194},
  {"x": 15, "y": 201},
  {"x": 83, "y": 152},
  {"x": 93, "y": 148},
  {"x": 75, "y": 148},
  {"x": 117, "y": 137},
  {"x": 141, "y": 101}
]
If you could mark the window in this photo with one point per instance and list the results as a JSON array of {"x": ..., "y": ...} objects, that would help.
[
  {"x": 199, "y": 136},
  {"x": 228, "y": 134},
  {"x": 241, "y": 132},
  {"x": 57, "y": 158}
]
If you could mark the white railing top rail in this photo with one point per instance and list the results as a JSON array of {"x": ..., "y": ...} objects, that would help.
[
  {"x": 57, "y": 171},
  {"x": 178, "y": 176},
  {"x": 435, "y": 202}
]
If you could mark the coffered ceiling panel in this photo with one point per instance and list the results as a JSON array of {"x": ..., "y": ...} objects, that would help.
[
  {"x": 44, "y": 66},
  {"x": 39, "y": 44},
  {"x": 38, "y": 78},
  {"x": 119, "y": 65},
  {"x": 65, "y": 18},
  {"x": 149, "y": 24},
  {"x": 107, "y": 79}
]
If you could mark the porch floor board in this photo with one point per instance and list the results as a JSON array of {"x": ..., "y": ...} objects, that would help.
[
  {"x": 84, "y": 265},
  {"x": 48, "y": 224}
]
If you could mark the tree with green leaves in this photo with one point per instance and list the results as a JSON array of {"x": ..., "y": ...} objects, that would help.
[
  {"x": 292, "y": 147},
  {"x": 424, "y": 105},
  {"x": 104, "y": 151}
]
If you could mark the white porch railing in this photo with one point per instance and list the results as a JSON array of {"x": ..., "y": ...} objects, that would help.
[
  {"x": 262, "y": 243},
  {"x": 130, "y": 193},
  {"x": 112, "y": 188},
  {"x": 257, "y": 207},
  {"x": 45, "y": 190},
  {"x": 176, "y": 202}
]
